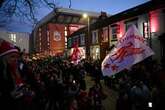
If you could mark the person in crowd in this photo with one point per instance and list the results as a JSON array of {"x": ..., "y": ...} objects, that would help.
[
  {"x": 83, "y": 101},
  {"x": 73, "y": 105},
  {"x": 10, "y": 80},
  {"x": 140, "y": 95},
  {"x": 158, "y": 91},
  {"x": 95, "y": 95},
  {"x": 123, "y": 102},
  {"x": 82, "y": 74},
  {"x": 97, "y": 75}
]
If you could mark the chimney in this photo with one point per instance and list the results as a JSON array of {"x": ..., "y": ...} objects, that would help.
[{"x": 103, "y": 15}]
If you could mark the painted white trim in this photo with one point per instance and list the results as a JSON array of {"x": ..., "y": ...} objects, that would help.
[{"x": 9, "y": 51}]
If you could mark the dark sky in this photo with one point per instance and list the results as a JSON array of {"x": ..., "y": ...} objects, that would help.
[{"x": 109, "y": 6}]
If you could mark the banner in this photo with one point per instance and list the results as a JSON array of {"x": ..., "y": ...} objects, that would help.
[
  {"x": 75, "y": 54},
  {"x": 130, "y": 49}
]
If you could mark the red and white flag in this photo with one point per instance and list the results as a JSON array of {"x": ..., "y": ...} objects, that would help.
[
  {"x": 130, "y": 49},
  {"x": 75, "y": 55}
]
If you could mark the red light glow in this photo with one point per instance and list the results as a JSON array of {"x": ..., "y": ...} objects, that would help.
[
  {"x": 121, "y": 31},
  {"x": 154, "y": 21},
  {"x": 120, "y": 35}
]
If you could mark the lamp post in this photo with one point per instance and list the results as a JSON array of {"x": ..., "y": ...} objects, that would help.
[{"x": 86, "y": 16}]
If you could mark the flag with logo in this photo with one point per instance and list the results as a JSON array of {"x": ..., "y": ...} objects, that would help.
[
  {"x": 130, "y": 49},
  {"x": 75, "y": 55}
]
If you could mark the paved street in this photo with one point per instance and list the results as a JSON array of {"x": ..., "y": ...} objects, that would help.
[{"x": 110, "y": 102}]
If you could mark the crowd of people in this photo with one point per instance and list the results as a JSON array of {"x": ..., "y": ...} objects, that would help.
[
  {"x": 46, "y": 84},
  {"x": 54, "y": 83},
  {"x": 141, "y": 87}
]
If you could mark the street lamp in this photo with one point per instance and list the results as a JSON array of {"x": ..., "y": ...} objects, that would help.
[{"x": 86, "y": 16}]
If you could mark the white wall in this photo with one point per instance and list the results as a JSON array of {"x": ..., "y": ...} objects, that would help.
[{"x": 22, "y": 39}]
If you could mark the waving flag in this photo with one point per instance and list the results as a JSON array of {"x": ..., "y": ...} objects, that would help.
[
  {"x": 130, "y": 49},
  {"x": 75, "y": 55}
]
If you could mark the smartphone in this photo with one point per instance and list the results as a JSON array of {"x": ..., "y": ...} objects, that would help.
[
  {"x": 150, "y": 104},
  {"x": 74, "y": 81}
]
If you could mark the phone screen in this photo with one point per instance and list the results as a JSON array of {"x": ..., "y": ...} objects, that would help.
[
  {"x": 150, "y": 104},
  {"x": 74, "y": 81}
]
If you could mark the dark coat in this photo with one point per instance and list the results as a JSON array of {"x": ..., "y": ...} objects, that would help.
[{"x": 7, "y": 85}]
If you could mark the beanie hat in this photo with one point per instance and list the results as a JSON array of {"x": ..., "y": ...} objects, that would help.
[{"x": 6, "y": 47}]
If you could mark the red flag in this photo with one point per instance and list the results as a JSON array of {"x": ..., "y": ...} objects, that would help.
[{"x": 76, "y": 53}]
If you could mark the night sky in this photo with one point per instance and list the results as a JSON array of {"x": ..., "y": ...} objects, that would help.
[{"x": 109, "y": 6}]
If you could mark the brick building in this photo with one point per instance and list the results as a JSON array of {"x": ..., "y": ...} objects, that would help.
[
  {"x": 49, "y": 37},
  {"x": 149, "y": 18}
]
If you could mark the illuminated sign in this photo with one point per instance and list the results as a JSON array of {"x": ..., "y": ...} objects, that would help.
[{"x": 57, "y": 36}]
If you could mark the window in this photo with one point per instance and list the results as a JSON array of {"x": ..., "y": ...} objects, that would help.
[
  {"x": 95, "y": 37},
  {"x": 75, "y": 19},
  {"x": 76, "y": 40},
  {"x": 69, "y": 44},
  {"x": 68, "y": 19},
  {"x": 145, "y": 30},
  {"x": 104, "y": 34},
  {"x": 82, "y": 39},
  {"x": 66, "y": 42},
  {"x": 12, "y": 37},
  {"x": 48, "y": 39},
  {"x": 131, "y": 22},
  {"x": 65, "y": 39},
  {"x": 115, "y": 30},
  {"x": 60, "y": 18},
  {"x": 65, "y": 32}
]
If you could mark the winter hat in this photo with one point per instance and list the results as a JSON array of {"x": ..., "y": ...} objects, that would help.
[{"x": 6, "y": 48}]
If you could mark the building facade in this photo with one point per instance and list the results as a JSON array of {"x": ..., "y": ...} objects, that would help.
[
  {"x": 49, "y": 37},
  {"x": 149, "y": 18},
  {"x": 20, "y": 39}
]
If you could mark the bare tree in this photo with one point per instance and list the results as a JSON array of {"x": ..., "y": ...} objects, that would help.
[{"x": 26, "y": 9}]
